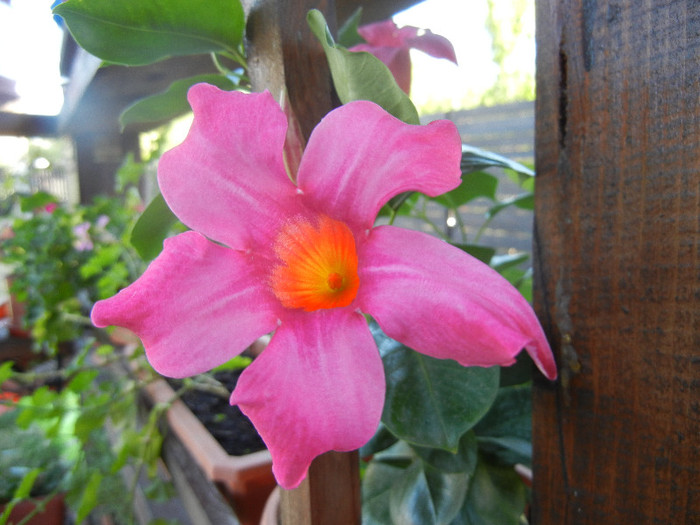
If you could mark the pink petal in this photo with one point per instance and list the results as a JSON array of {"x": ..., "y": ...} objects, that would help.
[
  {"x": 444, "y": 303},
  {"x": 386, "y": 34},
  {"x": 359, "y": 156},
  {"x": 318, "y": 386},
  {"x": 227, "y": 179},
  {"x": 197, "y": 305},
  {"x": 434, "y": 45}
]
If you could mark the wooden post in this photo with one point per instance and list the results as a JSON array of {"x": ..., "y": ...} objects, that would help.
[
  {"x": 617, "y": 439},
  {"x": 284, "y": 54}
]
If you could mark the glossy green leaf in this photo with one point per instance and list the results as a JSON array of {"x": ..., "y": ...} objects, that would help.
[
  {"x": 483, "y": 253},
  {"x": 464, "y": 460},
  {"x": 510, "y": 260},
  {"x": 152, "y": 228},
  {"x": 382, "y": 439},
  {"x": 506, "y": 431},
  {"x": 361, "y": 76},
  {"x": 376, "y": 486},
  {"x": 138, "y": 32},
  {"x": 432, "y": 402},
  {"x": 170, "y": 103},
  {"x": 475, "y": 159},
  {"x": 496, "y": 496},
  {"x": 474, "y": 185},
  {"x": 426, "y": 496},
  {"x": 524, "y": 201}
]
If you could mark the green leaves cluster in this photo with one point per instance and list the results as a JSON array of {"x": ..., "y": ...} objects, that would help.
[
  {"x": 65, "y": 258},
  {"x": 447, "y": 444}
]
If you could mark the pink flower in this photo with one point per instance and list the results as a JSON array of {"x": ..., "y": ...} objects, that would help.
[
  {"x": 391, "y": 45},
  {"x": 303, "y": 260}
]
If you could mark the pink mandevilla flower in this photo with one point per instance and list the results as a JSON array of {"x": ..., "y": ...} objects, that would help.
[
  {"x": 392, "y": 45},
  {"x": 303, "y": 260}
]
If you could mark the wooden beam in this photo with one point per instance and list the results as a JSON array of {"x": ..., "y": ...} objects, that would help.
[
  {"x": 617, "y": 439},
  {"x": 19, "y": 125},
  {"x": 284, "y": 54}
]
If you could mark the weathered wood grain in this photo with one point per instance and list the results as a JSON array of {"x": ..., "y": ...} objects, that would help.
[{"x": 617, "y": 439}]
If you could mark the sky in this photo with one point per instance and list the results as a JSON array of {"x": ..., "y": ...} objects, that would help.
[{"x": 31, "y": 45}]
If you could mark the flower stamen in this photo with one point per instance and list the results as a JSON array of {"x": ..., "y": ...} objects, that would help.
[{"x": 317, "y": 265}]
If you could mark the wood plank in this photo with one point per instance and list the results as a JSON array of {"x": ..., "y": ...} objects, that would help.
[
  {"x": 19, "y": 125},
  {"x": 617, "y": 439},
  {"x": 330, "y": 493}
]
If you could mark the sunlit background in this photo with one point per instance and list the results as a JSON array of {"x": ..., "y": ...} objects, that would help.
[{"x": 493, "y": 40}]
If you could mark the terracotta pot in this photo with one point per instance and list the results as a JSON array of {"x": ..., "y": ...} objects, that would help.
[
  {"x": 245, "y": 480},
  {"x": 53, "y": 514}
]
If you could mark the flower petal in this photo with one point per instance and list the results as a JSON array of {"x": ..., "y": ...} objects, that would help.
[
  {"x": 227, "y": 179},
  {"x": 318, "y": 386},
  {"x": 386, "y": 33},
  {"x": 196, "y": 306},
  {"x": 359, "y": 156},
  {"x": 434, "y": 45},
  {"x": 444, "y": 303}
]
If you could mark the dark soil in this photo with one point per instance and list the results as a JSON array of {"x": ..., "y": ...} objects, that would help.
[{"x": 231, "y": 428}]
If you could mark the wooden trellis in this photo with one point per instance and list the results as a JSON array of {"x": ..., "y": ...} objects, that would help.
[{"x": 617, "y": 439}]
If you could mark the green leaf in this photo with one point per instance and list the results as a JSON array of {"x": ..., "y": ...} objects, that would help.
[
  {"x": 6, "y": 371},
  {"x": 36, "y": 200},
  {"x": 138, "y": 32},
  {"x": 432, "y": 402},
  {"x": 475, "y": 159},
  {"x": 483, "y": 253},
  {"x": 24, "y": 489},
  {"x": 152, "y": 228},
  {"x": 496, "y": 496},
  {"x": 88, "y": 501},
  {"x": 347, "y": 34},
  {"x": 506, "y": 431},
  {"x": 381, "y": 440},
  {"x": 170, "y": 103},
  {"x": 82, "y": 380},
  {"x": 464, "y": 460},
  {"x": 503, "y": 262},
  {"x": 426, "y": 496},
  {"x": 524, "y": 201},
  {"x": 474, "y": 184},
  {"x": 376, "y": 486},
  {"x": 361, "y": 76}
]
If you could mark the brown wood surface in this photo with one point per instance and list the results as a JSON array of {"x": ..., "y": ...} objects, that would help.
[
  {"x": 617, "y": 438},
  {"x": 329, "y": 495}
]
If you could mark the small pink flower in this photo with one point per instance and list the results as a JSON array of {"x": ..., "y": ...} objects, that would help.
[
  {"x": 303, "y": 260},
  {"x": 82, "y": 241},
  {"x": 392, "y": 44}
]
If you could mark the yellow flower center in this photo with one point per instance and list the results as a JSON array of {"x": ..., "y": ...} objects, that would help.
[{"x": 317, "y": 265}]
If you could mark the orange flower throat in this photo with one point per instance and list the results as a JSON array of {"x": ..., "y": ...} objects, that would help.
[{"x": 317, "y": 265}]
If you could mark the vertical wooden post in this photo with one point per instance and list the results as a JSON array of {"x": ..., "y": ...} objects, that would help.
[
  {"x": 617, "y": 439},
  {"x": 284, "y": 54}
]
